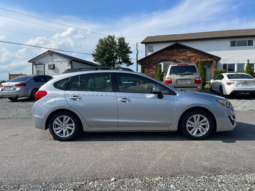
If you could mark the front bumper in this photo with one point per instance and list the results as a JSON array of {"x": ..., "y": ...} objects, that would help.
[{"x": 226, "y": 121}]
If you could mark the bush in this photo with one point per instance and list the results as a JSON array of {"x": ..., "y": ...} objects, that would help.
[
  {"x": 2, "y": 81},
  {"x": 201, "y": 70},
  {"x": 159, "y": 75},
  {"x": 248, "y": 69},
  {"x": 218, "y": 72}
]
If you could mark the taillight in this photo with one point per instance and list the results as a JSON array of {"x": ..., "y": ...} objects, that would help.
[
  {"x": 198, "y": 80},
  {"x": 40, "y": 94},
  {"x": 230, "y": 83},
  {"x": 1, "y": 86},
  {"x": 168, "y": 81},
  {"x": 21, "y": 85}
]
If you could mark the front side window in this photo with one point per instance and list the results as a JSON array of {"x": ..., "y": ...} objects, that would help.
[
  {"x": 183, "y": 70},
  {"x": 129, "y": 83},
  {"x": 239, "y": 76},
  {"x": 240, "y": 67},
  {"x": 220, "y": 77},
  {"x": 100, "y": 82}
]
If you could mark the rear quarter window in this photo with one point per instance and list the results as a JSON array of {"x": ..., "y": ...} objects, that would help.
[
  {"x": 183, "y": 70},
  {"x": 62, "y": 84}
]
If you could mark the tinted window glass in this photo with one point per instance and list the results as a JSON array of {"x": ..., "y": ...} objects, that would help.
[
  {"x": 220, "y": 77},
  {"x": 231, "y": 67},
  {"x": 137, "y": 84},
  {"x": 62, "y": 84},
  {"x": 239, "y": 76},
  {"x": 240, "y": 67},
  {"x": 96, "y": 82},
  {"x": 75, "y": 84},
  {"x": 250, "y": 42},
  {"x": 241, "y": 43},
  {"x": 39, "y": 79},
  {"x": 183, "y": 70},
  {"x": 232, "y": 43},
  {"x": 47, "y": 78},
  {"x": 20, "y": 79}
]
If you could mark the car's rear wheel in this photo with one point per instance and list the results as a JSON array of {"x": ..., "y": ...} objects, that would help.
[
  {"x": 33, "y": 93},
  {"x": 13, "y": 98},
  {"x": 64, "y": 126},
  {"x": 197, "y": 124}
]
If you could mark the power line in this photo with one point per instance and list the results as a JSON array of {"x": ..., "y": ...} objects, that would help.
[
  {"x": 34, "y": 46},
  {"x": 57, "y": 23}
]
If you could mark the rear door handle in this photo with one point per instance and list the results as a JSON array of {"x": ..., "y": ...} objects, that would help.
[
  {"x": 124, "y": 100},
  {"x": 75, "y": 97}
]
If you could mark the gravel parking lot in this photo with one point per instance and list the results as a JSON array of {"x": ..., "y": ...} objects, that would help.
[{"x": 31, "y": 160}]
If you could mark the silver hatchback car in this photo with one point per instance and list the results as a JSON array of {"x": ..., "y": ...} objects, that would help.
[
  {"x": 114, "y": 100},
  {"x": 23, "y": 86},
  {"x": 183, "y": 76}
]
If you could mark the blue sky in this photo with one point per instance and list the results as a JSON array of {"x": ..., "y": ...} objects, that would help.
[{"x": 133, "y": 19}]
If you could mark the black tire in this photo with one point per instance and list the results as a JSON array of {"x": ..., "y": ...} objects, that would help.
[
  {"x": 33, "y": 93},
  {"x": 188, "y": 116},
  {"x": 221, "y": 91},
  {"x": 75, "y": 120},
  {"x": 13, "y": 98},
  {"x": 210, "y": 85}
]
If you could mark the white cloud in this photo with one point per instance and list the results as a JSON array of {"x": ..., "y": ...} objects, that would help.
[
  {"x": 187, "y": 16},
  {"x": 2, "y": 37}
]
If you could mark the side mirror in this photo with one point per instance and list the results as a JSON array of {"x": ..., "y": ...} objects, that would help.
[{"x": 157, "y": 90}]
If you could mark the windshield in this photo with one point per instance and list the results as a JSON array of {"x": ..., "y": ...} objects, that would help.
[
  {"x": 183, "y": 70},
  {"x": 20, "y": 79},
  {"x": 239, "y": 76}
]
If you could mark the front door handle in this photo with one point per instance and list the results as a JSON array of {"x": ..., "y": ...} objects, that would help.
[
  {"x": 124, "y": 100},
  {"x": 75, "y": 97}
]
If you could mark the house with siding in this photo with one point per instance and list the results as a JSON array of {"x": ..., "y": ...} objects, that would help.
[
  {"x": 53, "y": 63},
  {"x": 218, "y": 50}
]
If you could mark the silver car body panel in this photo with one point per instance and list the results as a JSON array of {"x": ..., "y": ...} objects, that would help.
[{"x": 108, "y": 111}]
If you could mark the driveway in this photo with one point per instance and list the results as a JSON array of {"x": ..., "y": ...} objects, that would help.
[{"x": 29, "y": 155}]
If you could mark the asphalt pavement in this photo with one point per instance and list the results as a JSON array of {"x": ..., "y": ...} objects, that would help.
[{"x": 30, "y": 155}]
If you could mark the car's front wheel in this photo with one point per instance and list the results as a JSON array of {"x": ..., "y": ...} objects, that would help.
[
  {"x": 64, "y": 126},
  {"x": 197, "y": 124}
]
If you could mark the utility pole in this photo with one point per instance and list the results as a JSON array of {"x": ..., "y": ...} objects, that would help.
[{"x": 137, "y": 57}]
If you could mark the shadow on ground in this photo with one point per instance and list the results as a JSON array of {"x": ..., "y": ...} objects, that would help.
[{"x": 242, "y": 132}]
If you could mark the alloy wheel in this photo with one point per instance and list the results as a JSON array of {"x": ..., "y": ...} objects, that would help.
[
  {"x": 197, "y": 125},
  {"x": 63, "y": 126}
]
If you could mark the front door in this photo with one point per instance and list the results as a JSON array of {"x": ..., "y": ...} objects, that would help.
[
  {"x": 92, "y": 96},
  {"x": 138, "y": 106}
]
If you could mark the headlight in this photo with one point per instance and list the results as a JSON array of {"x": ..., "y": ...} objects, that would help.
[{"x": 225, "y": 103}]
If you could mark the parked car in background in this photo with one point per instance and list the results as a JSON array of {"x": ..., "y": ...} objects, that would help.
[
  {"x": 117, "y": 100},
  {"x": 184, "y": 76},
  {"x": 23, "y": 86},
  {"x": 233, "y": 84}
]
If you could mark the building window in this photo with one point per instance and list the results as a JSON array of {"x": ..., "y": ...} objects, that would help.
[
  {"x": 241, "y": 43},
  {"x": 252, "y": 67},
  {"x": 150, "y": 48},
  {"x": 39, "y": 68},
  {"x": 240, "y": 67},
  {"x": 229, "y": 67}
]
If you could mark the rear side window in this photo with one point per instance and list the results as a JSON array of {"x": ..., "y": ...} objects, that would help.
[
  {"x": 20, "y": 79},
  {"x": 239, "y": 76},
  {"x": 183, "y": 70},
  {"x": 62, "y": 84},
  {"x": 75, "y": 84},
  {"x": 39, "y": 79}
]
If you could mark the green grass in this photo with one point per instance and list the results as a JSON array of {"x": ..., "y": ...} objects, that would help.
[{"x": 206, "y": 86}]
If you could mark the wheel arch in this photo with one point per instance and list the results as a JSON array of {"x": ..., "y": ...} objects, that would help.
[
  {"x": 201, "y": 108},
  {"x": 59, "y": 110}
]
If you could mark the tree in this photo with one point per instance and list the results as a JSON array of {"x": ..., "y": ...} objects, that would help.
[
  {"x": 248, "y": 69},
  {"x": 112, "y": 52},
  {"x": 159, "y": 75},
  {"x": 201, "y": 70}
]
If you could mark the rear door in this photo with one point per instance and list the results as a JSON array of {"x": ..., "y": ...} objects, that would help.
[
  {"x": 138, "y": 107},
  {"x": 217, "y": 83},
  {"x": 39, "y": 81},
  {"x": 93, "y": 97}
]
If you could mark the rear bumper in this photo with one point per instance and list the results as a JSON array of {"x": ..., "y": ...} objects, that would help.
[
  {"x": 39, "y": 114},
  {"x": 243, "y": 92},
  {"x": 16, "y": 93}
]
